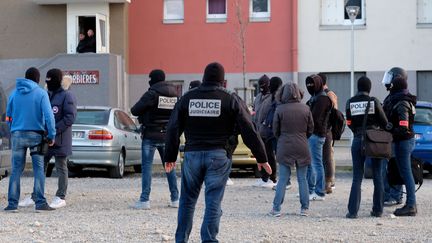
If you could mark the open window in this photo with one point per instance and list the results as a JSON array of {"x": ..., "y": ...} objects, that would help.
[{"x": 88, "y": 27}]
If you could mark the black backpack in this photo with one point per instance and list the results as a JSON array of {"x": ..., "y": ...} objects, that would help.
[{"x": 337, "y": 123}]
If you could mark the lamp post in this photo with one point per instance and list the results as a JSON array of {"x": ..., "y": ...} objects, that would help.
[{"x": 352, "y": 12}]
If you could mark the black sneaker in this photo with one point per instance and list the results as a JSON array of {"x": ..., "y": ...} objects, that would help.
[
  {"x": 350, "y": 216},
  {"x": 10, "y": 209},
  {"x": 406, "y": 211},
  {"x": 44, "y": 207},
  {"x": 376, "y": 214}
]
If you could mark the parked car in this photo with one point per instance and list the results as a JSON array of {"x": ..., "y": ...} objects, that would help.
[
  {"x": 5, "y": 150},
  {"x": 104, "y": 137},
  {"x": 423, "y": 133},
  {"x": 5, "y": 146}
]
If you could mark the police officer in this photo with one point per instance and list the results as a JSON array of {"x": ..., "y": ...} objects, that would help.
[
  {"x": 153, "y": 110},
  {"x": 399, "y": 107},
  {"x": 355, "y": 112},
  {"x": 208, "y": 116}
]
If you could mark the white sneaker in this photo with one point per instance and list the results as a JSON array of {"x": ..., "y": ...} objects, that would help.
[
  {"x": 258, "y": 183},
  {"x": 57, "y": 202},
  {"x": 173, "y": 204},
  {"x": 26, "y": 202},
  {"x": 229, "y": 182},
  {"x": 315, "y": 197},
  {"x": 142, "y": 205},
  {"x": 269, "y": 184}
]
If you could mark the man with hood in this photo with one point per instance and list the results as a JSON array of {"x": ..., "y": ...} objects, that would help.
[
  {"x": 28, "y": 126},
  {"x": 320, "y": 105},
  {"x": 153, "y": 110},
  {"x": 208, "y": 116},
  {"x": 63, "y": 105},
  {"x": 399, "y": 107},
  {"x": 292, "y": 126},
  {"x": 263, "y": 85},
  {"x": 265, "y": 118}
]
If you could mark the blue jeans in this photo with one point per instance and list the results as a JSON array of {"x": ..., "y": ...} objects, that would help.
[
  {"x": 21, "y": 141},
  {"x": 213, "y": 168},
  {"x": 148, "y": 148},
  {"x": 358, "y": 161},
  {"x": 402, "y": 152},
  {"x": 284, "y": 178},
  {"x": 315, "y": 173}
]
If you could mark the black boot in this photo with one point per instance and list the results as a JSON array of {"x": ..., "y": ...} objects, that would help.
[{"x": 406, "y": 211}]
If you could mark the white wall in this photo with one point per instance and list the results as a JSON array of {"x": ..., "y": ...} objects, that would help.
[{"x": 390, "y": 38}]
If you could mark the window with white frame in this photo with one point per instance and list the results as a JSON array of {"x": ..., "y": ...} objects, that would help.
[
  {"x": 259, "y": 10},
  {"x": 424, "y": 11},
  {"x": 333, "y": 12},
  {"x": 173, "y": 11},
  {"x": 216, "y": 11}
]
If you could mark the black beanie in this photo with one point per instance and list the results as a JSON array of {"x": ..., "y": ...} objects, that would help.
[
  {"x": 54, "y": 78},
  {"x": 275, "y": 83},
  {"x": 33, "y": 74},
  {"x": 364, "y": 84},
  {"x": 156, "y": 76},
  {"x": 214, "y": 72},
  {"x": 194, "y": 84}
]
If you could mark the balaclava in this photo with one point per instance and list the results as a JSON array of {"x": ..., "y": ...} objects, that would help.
[
  {"x": 263, "y": 84},
  {"x": 194, "y": 84},
  {"x": 275, "y": 83},
  {"x": 53, "y": 79},
  {"x": 314, "y": 84},
  {"x": 364, "y": 84},
  {"x": 156, "y": 76},
  {"x": 214, "y": 72},
  {"x": 33, "y": 74}
]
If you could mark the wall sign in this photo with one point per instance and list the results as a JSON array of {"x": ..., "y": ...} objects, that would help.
[{"x": 83, "y": 77}]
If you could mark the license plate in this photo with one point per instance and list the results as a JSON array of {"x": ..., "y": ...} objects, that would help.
[
  {"x": 77, "y": 134},
  {"x": 418, "y": 136}
]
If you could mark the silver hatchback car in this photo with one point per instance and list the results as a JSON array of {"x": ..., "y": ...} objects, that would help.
[{"x": 105, "y": 137}]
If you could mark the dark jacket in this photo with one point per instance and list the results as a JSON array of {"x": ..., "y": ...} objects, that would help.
[
  {"x": 320, "y": 106},
  {"x": 63, "y": 105},
  {"x": 355, "y": 111},
  {"x": 292, "y": 125},
  {"x": 257, "y": 105},
  {"x": 209, "y": 115},
  {"x": 87, "y": 45},
  {"x": 399, "y": 108},
  {"x": 154, "y": 109}
]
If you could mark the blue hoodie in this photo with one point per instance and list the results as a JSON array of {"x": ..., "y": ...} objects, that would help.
[{"x": 29, "y": 109}]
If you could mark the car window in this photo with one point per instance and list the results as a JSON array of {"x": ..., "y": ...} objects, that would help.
[
  {"x": 92, "y": 117},
  {"x": 423, "y": 116},
  {"x": 125, "y": 122}
]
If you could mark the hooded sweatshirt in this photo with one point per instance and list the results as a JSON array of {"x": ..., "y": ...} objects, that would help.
[
  {"x": 29, "y": 109},
  {"x": 292, "y": 125},
  {"x": 320, "y": 105}
]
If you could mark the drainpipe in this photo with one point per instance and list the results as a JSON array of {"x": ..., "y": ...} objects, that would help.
[{"x": 294, "y": 40}]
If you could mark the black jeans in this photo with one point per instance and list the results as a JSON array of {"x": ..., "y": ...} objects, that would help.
[{"x": 270, "y": 147}]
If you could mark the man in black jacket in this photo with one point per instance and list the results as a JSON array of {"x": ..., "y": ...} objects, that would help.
[
  {"x": 320, "y": 105},
  {"x": 208, "y": 116},
  {"x": 154, "y": 110}
]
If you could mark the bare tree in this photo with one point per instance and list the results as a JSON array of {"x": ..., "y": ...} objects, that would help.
[{"x": 242, "y": 26}]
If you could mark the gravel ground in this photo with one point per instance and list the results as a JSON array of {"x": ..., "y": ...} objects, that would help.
[{"x": 99, "y": 210}]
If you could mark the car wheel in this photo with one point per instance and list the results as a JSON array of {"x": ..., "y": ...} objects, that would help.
[
  {"x": 118, "y": 170},
  {"x": 137, "y": 168}
]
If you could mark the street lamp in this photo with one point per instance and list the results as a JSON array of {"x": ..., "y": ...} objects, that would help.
[{"x": 352, "y": 12}]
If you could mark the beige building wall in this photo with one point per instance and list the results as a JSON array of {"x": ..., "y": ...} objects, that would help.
[
  {"x": 390, "y": 38},
  {"x": 29, "y": 30},
  {"x": 119, "y": 39}
]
